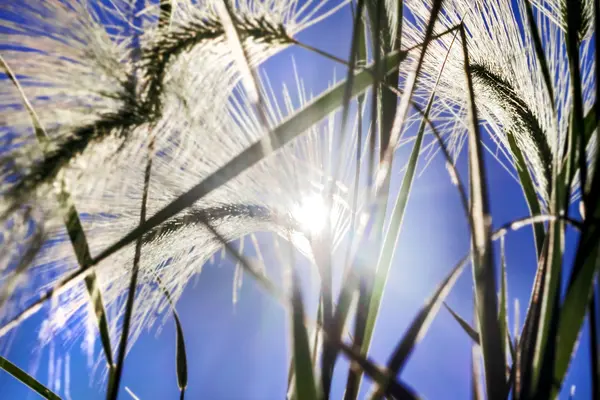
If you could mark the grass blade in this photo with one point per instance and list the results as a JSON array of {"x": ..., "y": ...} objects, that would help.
[
  {"x": 115, "y": 379},
  {"x": 483, "y": 260},
  {"x": 180, "y": 353},
  {"x": 72, "y": 224},
  {"x": 396, "y": 389},
  {"x": 420, "y": 324},
  {"x": 547, "y": 348},
  {"x": 365, "y": 284},
  {"x": 528, "y": 187},
  {"x": 575, "y": 20},
  {"x": 305, "y": 379},
  {"x": 476, "y": 387},
  {"x": 389, "y": 101},
  {"x": 469, "y": 330},
  {"x": 372, "y": 284},
  {"x": 574, "y": 306},
  {"x": 594, "y": 313},
  {"x": 503, "y": 308},
  {"x": 333, "y": 322},
  {"x": 393, "y": 234},
  {"x": 27, "y": 379}
]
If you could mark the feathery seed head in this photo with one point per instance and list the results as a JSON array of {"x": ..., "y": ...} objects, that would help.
[
  {"x": 186, "y": 100},
  {"x": 509, "y": 85}
]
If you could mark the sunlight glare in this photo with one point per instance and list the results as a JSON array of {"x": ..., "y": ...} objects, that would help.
[{"x": 311, "y": 213}]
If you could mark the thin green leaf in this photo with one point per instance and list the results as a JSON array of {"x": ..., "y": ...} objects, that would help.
[
  {"x": 420, "y": 324},
  {"x": 476, "y": 387},
  {"x": 574, "y": 307},
  {"x": 503, "y": 308},
  {"x": 115, "y": 380},
  {"x": 575, "y": 20},
  {"x": 389, "y": 100},
  {"x": 27, "y": 379},
  {"x": 180, "y": 353},
  {"x": 547, "y": 348},
  {"x": 373, "y": 282},
  {"x": 589, "y": 124},
  {"x": 72, "y": 224},
  {"x": 483, "y": 260},
  {"x": 594, "y": 318},
  {"x": 528, "y": 187},
  {"x": 396, "y": 389},
  {"x": 329, "y": 356},
  {"x": 393, "y": 234},
  {"x": 365, "y": 284},
  {"x": 525, "y": 350},
  {"x": 305, "y": 379},
  {"x": 357, "y": 52},
  {"x": 350, "y": 280},
  {"x": 469, "y": 330}
]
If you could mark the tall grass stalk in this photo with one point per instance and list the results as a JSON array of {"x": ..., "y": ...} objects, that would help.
[{"x": 224, "y": 157}]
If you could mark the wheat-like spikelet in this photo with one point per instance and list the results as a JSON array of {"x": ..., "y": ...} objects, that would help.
[
  {"x": 78, "y": 79},
  {"x": 509, "y": 85}
]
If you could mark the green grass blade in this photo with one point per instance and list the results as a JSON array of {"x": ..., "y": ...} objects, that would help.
[
  {"x": 357, "y": 52},
  {"x": 547, "y": 348},
  {"x": 469, "y": 330},
  {"x": 473, "y": 334},
  {"x": 393, "y": 234},
  {"x": 483, "y": 260},
  {"x": 503, "y": 308},
  {"x": 420, "y": 324},
  {"x": 27, "y": 379},
  {"x": 528, "y": 187},
  {"x": 305, "y": 379},
  {"x": 378, "y": 28},
  {"x": 115, "y": 380},
  {"x": 331, "y": 323},
  {"x": 72, "y": 224},
  {"x": 288, "y": 130},
  {"x": 476, "y": 387},
  {"x": 291, "y": 387},
  {"x": 575, "y": 304},
  {"x": 529, "y": 333},
  {"x": 389, "y": 100},
  {"x": 590, "y": 124},
  {"x": 348, "y": 289},
  {"x": 372, "y": 285},
  {"x": 180, "y": 353},
  {"x": 594, "y": 315},
  {"x": 396, "y": 390},
  {"x": 575, "y": 20}
]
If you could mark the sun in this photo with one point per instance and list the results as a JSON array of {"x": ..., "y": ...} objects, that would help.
[{"x": 311, "y": 213}]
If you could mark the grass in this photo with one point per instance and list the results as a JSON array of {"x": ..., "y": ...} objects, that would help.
[{"x": 534, "y": 362}]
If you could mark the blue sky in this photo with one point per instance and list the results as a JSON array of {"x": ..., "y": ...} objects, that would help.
[{"x": 241, "y": 351}]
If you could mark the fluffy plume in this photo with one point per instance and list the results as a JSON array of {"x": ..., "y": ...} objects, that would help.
[
  {"x": 102, "y": 104},
  {"x": 509, "y": 84}
]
